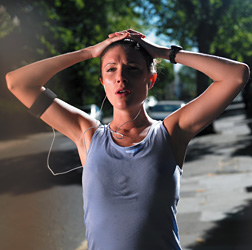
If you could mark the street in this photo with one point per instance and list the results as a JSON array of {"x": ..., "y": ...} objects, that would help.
[
  {"x": 40, "y": 211},
  {"x": 215, "y": 209}
]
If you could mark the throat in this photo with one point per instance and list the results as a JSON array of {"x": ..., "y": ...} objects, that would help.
[{"x": 127, "y": 138}]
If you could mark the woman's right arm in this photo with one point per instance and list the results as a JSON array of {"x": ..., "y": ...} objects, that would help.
[{"x": 27, "y": 83}]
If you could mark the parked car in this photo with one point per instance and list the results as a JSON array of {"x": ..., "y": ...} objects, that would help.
[
  {"x": 150, "y": 102},
  {"x": 164, "y": 108},
  {"x": 93, "y": 110}
]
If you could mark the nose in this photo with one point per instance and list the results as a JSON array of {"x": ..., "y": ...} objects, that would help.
[{"x": 121, "y": 76}]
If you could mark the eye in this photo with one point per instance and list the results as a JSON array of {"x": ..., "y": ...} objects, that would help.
[{"x": 112, "y": 69}]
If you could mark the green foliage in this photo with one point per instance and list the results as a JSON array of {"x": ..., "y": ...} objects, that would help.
[
  {"x": 234, "y": 35},
  {"x": 186, "y": 21},
  {"x": 187, "y": 78},
  {"x": 220, "y": 27},
  {"x": 7, "y": 24},
  {"x": 162, "y": 89},
  {"x": 52, "y": 27}
]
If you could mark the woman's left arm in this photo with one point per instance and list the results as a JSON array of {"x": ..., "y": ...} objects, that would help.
[{"x": 229, "y": 77}]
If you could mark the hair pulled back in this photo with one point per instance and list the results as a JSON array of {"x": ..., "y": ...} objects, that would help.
[{"x": 129, "y": 43}]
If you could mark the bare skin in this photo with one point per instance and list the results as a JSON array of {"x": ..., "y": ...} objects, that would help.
[{"x": 123, "y": 69}]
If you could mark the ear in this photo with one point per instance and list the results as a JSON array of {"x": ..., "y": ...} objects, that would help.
[
  {"x": 100, "y": 78},
  {"x": 153, "y": 78}
]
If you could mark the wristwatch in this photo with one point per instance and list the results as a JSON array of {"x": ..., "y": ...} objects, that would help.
[{"x": 173, "y": 52}]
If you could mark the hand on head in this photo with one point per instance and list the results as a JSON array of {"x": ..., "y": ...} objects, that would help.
[
  {"x": 153, "y": 49},
  {"x": 130, "y": 34},
  {"x": 97, "y": 49}
]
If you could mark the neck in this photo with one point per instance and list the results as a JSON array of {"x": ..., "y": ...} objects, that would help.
[{"x": 126, "y": 120}]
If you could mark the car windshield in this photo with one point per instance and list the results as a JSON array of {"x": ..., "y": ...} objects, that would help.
[{"x": 165, "y": 108}]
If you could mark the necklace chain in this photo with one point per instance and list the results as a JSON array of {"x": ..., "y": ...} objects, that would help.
[{"x": 116, "y": 133}]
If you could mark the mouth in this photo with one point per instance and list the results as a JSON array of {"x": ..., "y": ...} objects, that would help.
[{"x": 123, "y": 92}]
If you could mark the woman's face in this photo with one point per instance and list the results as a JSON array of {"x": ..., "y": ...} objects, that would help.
[{"x": 125, "y": 77}]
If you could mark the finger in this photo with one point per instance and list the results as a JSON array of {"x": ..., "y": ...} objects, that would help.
[
  {"x": 121, "y": 33},
  {"x": 136, "y": 37},
  {"x": 131, "y": 31},
  {"x": 111, "y": 35},
  {"x": 119, "y": 36}
]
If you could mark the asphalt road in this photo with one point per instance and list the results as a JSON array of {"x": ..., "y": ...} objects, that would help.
[{"x": 39, "y": 211}]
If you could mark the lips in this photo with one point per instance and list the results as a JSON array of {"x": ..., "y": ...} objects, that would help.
[{"x": 123, "y": 92}]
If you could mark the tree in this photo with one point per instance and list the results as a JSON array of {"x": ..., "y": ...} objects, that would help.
[
  {"x": 49, "y": 28},
  {"x": 234, "y": 35},
  {"x": 208, "y": 25},
  {"x": 162, "y": 88},
  {"x": 187, "y": 78},
  {"x": 7, "y": 24},
  {"x": 221, "y": 27}
]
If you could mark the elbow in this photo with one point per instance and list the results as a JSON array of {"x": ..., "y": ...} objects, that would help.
[
  {"x": 244, "y": 73},
  {"x": 9, "y": 83}
]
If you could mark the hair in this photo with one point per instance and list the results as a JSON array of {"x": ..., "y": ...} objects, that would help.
[{"x": 129, "y": 43}]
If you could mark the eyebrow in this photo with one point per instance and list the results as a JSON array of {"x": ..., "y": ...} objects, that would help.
[
  {"x": 132, "y": 62},
  {"x": 109, "y": 64}
]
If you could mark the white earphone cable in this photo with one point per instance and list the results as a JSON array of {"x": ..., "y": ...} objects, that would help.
[
  {"x": 48, "y": 156},
  {"x": 114, "y": 133}
]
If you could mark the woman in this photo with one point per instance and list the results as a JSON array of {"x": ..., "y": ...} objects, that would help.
[{"x": 132, "y": 166}]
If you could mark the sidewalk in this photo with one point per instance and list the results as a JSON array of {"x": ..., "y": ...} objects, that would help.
[{"x": 215, "y": 209}]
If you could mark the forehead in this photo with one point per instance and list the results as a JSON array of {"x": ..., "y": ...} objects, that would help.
[{"x": 124, "y": 54}]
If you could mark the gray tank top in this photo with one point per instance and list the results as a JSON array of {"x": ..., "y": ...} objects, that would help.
[{"x": 131, "y": 193}]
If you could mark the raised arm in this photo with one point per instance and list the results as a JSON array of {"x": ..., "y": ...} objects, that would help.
[
  {"x": 229, "y": 77},
  {"x": 27, "y": 83}
]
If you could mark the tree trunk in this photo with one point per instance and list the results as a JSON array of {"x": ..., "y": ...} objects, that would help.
[{"x": 204, "y": 42}]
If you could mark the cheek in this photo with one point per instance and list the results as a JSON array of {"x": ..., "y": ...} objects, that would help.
[{"x": 107, "y": 79}]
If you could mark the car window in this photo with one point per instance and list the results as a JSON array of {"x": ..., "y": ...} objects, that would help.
[{"x": 165, "y": 108}]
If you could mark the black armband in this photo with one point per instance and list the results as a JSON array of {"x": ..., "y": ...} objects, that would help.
[{"x": 43, "y": 101}]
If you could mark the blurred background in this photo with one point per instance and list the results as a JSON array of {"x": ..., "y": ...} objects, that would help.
[{"x": 34, "y": 30}]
